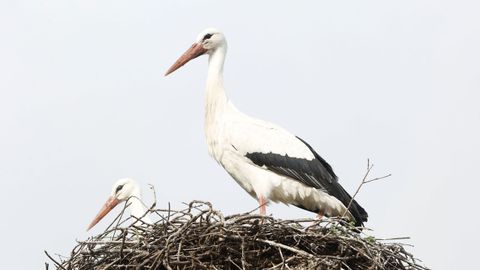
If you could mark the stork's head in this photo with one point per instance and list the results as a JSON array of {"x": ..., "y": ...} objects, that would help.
[
  {"x": 122, "y": 190},
  {"x": 208, "y": 41}
]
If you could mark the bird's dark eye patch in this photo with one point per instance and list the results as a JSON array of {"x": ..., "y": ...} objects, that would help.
[
  {"x": 118, "y": 188},
  {"x": 207, "y": 36}
]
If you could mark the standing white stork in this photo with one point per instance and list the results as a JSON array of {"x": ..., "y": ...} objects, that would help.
[
  {"x": 124, "y": 189},
  {"x": 267, "y": 161}
]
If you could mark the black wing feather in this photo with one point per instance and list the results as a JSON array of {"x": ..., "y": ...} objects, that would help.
[{"x": 315, "y": 173}]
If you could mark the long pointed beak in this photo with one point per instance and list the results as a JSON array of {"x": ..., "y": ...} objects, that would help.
[
  {"x": 195, "y": 51},
  {"x": 107, "y": 207}
]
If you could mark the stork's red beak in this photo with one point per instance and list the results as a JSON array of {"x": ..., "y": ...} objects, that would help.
[
  {"x": 195, "y": 51},
  {"x": 107, "y": 207}
]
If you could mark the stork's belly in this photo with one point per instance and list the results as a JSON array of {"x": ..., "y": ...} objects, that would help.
[
  {"x": 260, "y": 182},
  {"x": 294, "y": 192}
]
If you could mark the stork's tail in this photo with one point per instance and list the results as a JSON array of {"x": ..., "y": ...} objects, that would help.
[{"x": 358, "y": 213}]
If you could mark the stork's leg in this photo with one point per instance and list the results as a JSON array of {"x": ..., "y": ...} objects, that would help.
[
  {"x": 320, "y": 215},
  {"x": 263, "y": 206}
]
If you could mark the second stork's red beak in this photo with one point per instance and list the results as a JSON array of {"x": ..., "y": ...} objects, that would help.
[
  {"x": 107, "y": 207},
  {"x": 195, "y": 51}
]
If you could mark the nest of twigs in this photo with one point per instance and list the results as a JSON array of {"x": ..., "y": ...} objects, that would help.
[{"x": 200, "y": 237}]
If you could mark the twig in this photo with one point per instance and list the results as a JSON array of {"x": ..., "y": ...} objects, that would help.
[
  {"x": 54, "y": 261},
  {"x": 364, "y": 181}
]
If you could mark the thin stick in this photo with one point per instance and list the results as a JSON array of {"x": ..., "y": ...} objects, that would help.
[
  {"x": 364, "y": 181},
  {"x": 54, "y": 261}
]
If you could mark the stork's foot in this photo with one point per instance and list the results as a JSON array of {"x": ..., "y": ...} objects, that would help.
[{"x": 320, "y": 215}]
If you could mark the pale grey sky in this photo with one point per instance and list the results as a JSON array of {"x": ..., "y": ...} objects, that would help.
[{"x": 83, "y": 102}]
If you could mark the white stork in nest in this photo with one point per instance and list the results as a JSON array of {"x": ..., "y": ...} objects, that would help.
[
  {"x": 267, "y": 161},
  {"x": 123, "y": 190}
]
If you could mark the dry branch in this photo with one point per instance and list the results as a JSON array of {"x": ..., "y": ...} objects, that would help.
[{"x": 365, "y": 180}]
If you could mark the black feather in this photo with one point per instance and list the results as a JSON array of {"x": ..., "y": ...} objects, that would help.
[{"x": 315, "y": 173}]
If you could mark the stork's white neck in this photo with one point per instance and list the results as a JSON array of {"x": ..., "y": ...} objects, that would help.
[
  {"x": 137, "y": 208},
  {"x": 216, "y": 96},
  {"x": 216, "y": 101}
]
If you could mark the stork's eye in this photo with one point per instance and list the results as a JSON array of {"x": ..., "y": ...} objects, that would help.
[
  {"x": 207, "y": 36},
  {"x": 118, "y": 188}
]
